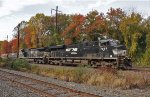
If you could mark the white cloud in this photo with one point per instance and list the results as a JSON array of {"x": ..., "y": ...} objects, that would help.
[
  {"x": 10, "y": 6},
  {"x": 82, "y": 6},
  {"x": 7, "y": 24},
  {"x": 8, "y": 20},
  {"x": 14, "y": 11}
]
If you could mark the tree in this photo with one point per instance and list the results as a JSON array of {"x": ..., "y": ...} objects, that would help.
[
  {"x": 14, "y": 45},
  {"x": 1, "y": 42},
  {"x": 146, "y": 42},
  {"x": 53, "y": 35},
  {"x": 18, "y": 29},
  {"x": 131, "y": 30},
  {"x": 6, "y": 48},
  {"x": 95, "y": 24},
  {"x": 27, "y": 38},
  {"x": 39, "y": 24},
  {"x": 74, "y": 29},
  {"x": 114, "y": 18}
]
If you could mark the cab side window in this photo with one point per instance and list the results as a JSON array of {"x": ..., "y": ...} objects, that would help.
[
  {"x": 105, "y": 43},
  {"x": 96, "y": 43},
  {"x": 86, "y": 44}
]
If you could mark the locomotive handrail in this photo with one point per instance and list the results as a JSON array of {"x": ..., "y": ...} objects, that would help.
[
  {"x": 70, "y": 58},
  {"x": 80, "y": 58}
]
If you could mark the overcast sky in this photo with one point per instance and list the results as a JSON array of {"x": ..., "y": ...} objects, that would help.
[{"x": 14, "y": 11}]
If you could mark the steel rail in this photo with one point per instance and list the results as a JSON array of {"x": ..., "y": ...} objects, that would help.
[{"x": 83, "y": 94}]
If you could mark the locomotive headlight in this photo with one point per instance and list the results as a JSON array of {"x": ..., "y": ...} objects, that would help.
[
  {"x": 124, "y": 52},
  {"x": 119, "y": 52}
]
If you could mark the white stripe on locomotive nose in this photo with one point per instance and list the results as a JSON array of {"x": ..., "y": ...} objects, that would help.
[
  {"x": 71, "y": 49},
  {"x": 103, "y": 48}
]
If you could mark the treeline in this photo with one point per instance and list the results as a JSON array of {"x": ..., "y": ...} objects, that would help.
[{"x": 130, "y": 28}]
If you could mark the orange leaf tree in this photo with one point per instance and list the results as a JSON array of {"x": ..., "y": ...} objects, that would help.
[
  {"x": 14, "y": 45},
  {"x": 6, "y": 48},
  {"x": 72, "y": 32},
  {"x": 95, "y": 25}
]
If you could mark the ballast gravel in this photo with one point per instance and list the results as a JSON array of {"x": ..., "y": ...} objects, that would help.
[
  {"x": 9, "y": 90},
  {"x": 6, "y": 89}
]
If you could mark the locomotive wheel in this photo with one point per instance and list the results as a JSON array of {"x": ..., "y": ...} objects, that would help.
[
  {"x": 60, "y": 64},
  {"x": 34, "y": 60},
  {"x": 37, "y": 61},
  {"x": 92, "y": 64},
  {"x": 114, "y": 66},
  {"x": 45, "y": 61}
]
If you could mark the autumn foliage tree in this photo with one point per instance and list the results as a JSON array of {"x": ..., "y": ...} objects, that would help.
[
  {"x": 114, "y": 18},
  {"x": 14, "y": 45},
  {"x": 95, "y": 24},
  {"x": 75, "y": 28},
  {"x": 130, "y": 28},
  {"x": 27, "y": 38},
  {"x": 6, "y": 48}
]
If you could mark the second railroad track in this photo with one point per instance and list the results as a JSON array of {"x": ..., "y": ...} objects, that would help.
[{"x": 45, "y": 89}]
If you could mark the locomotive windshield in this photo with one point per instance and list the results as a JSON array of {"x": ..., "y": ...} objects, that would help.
[
  {"x": 114, "y": 42},
  {"x": 109, "y": 42}
]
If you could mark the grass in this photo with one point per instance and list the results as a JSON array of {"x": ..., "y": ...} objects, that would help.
[
  {"x": 134, "y": 79},
  {"x": 5, "y": 62},
  {"x": 76, "y": 75},
  {"x": 17, "y": 64},
  {"x": 109, "y": 78},
  {"x": 104, "y": 77}
]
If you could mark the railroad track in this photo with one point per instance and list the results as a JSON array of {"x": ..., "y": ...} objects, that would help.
[
  {"x": 140, "y": 69},
  {"x": 43, "y": 88}
]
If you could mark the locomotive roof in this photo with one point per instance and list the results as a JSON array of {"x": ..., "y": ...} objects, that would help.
[
  {"x": 104, "y": 40},
  {"x": 40, "y": 49},
  {"x": 57, "y": 47}
]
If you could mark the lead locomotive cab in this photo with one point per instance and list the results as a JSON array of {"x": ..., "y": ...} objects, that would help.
[
  {"x": 112, "y": 47},
  {"x": 117, "y": 51}
]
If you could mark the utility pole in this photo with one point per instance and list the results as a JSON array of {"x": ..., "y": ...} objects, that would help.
[
  {"x": 7, "y": 51},
  {"x": 18, "y": 31},
  {"x": 7, "y": 37},
  {"x": 56, "y": 10},
  {"x": 56, "y": 18}
]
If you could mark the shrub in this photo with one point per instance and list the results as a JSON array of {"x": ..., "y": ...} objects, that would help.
[
  {"x": 1, "y": 59},
  {"x": 35, "y": 69},
  {"x": 103, "y": 77},
  {"x": 5, "y": 62},
  {"x": 2, "y": 63},
  {"x": 78, "y": 74},
  {"x": 20, "y": 64}
]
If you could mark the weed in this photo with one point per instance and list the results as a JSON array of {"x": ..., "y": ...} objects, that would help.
[
  {"x": 104, "y": 77},
  {"x": 20, "y": 64}
]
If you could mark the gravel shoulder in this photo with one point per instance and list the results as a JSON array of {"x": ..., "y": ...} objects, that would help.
[
  {"x": 9, "y": 90},
  {"x": 105, "y": 92}
]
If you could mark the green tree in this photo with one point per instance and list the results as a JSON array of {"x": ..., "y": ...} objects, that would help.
[
  {"x": 146, "y": 55},
  {"x": 95, "y": 24},
  {"x": 114, "y": 18},
  {"x": 131, "y": 30},
  {"x": 39, "y": 24},
  {"x": 19, "y": 33}
]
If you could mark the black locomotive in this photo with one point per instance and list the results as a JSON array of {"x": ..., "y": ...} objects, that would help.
[{"x": 103, "y": 52}]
